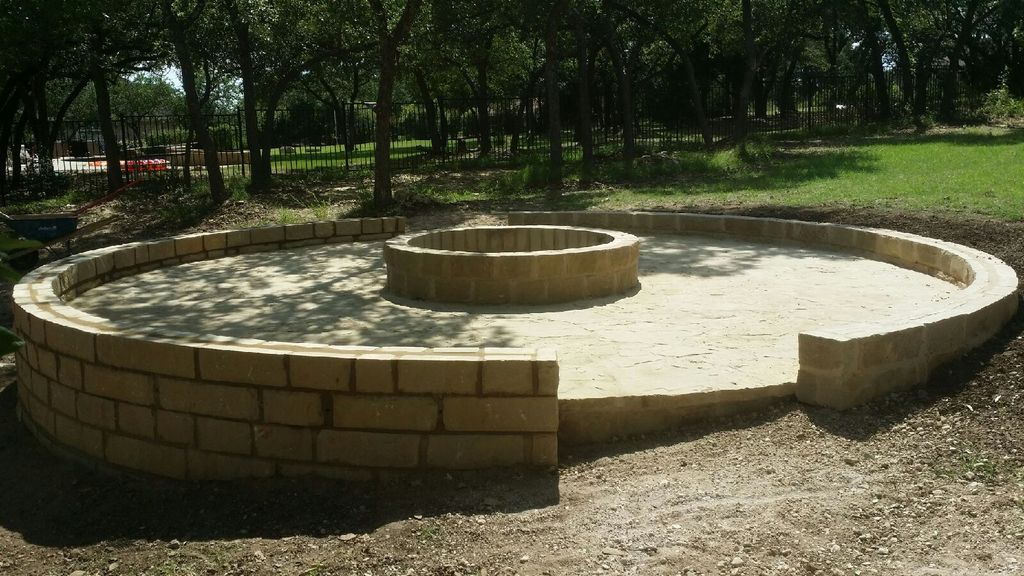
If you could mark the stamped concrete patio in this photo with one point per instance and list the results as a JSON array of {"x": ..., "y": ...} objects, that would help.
[{"x": 711, "y": 313}]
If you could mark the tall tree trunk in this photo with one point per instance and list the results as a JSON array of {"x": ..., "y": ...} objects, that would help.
[
  {"x": 112, "y": 150},
  {"x": 903, "y": 62},
  {"x": 430, "y": 107},
  {"x": 259, "y": 173},
  {"x": 786, "y": 102},
  {"x": 877, "y": 68},
  {"x": 7, "y": 114},
  {"x": 351, "y": 135},
  {"x": 750, "y": 69},
  {"x": 551, "y": 82},
  {"x": 947, "y": 106},
  {"x": 16, "y": 143},
  {"x": 382, "y": 193},
  {"x": 625, "y": 82},
  {"x": 922, "y": 75},
  {"x": 183, "y": 52},
  {"x": 483, "y": 109},
  {"x": 40, "y": 126},
  {"x": 390, "y": 41},
  {"x": 586, "y": 121}
]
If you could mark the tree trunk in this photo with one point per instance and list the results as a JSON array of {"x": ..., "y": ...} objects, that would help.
[
  {"x": 922, "y": 74},
  {"x": 483, "y": 109},
  {"x": 786, "y": 102},
  {"x": 40, "y": 126},
  {"x": 18, "y": 140},
  {"x": 877, "y": 69},
  {"x": 382, "y": 193},
  {"x": 390, "y": 41},
  {"x": 183, "y": 52},
  {"x": 430, "y": 108},
  {"x": 903, "y": 63},
  {"x": 586, "y": 122},
  {"x": 624, "y": 79},
  {"x": 551, "y": 82},
  {"x": 760, "y": 97},
  {"x": 750, "y": 69},
  {"x": 259, "y": 173},
  {"x": 112, "y": 150},
  {"x": 7, "y": 114}
]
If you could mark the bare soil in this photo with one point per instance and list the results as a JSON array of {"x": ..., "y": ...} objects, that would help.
[{"x": 929, "y": 482}]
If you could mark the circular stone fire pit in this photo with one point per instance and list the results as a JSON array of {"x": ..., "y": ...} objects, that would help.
[{"x": 512, "y": 265}]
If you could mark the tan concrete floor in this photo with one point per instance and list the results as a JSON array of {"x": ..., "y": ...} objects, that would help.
[{"x": 712, "y": 314}]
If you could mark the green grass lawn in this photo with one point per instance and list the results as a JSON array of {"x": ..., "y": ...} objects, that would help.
[{"x": 977, "y": 170}]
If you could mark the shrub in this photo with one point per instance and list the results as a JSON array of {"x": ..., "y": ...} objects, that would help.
[{"x": 1000, "y": 104}]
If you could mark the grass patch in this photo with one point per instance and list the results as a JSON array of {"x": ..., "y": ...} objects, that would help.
[{"x": 977, "y": 171}]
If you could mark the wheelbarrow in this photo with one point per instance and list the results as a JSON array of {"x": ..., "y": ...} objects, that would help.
[{"x": 53, "y": 230}]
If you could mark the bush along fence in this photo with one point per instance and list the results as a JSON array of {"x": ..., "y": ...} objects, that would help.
[{"x": 333, "y": 141}]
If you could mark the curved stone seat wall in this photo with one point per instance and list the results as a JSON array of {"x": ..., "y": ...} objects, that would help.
[
  {"x": 200, "y": 406},
  {"x": 526, "y": 265},
  {"x": 846, "y": 365}
]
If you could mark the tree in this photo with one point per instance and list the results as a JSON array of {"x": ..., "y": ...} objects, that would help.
[
  {"x": 179, "y": 25},
  {"x": 393, "y": 21}
]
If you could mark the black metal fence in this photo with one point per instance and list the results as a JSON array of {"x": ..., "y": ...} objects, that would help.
[{"x": 334, "y": 142}]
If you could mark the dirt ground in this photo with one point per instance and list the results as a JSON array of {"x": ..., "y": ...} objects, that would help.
[{"x": 929, "y": 482}]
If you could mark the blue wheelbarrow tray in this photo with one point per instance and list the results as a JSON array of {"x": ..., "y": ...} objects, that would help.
[{"x": 43, "y": 227}]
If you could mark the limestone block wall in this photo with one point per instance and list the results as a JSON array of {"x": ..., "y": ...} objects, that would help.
[
  {"x": 842, "y": 366},
  {"x": 199, "y": 406},
  {"x": 512, "y": 265}
]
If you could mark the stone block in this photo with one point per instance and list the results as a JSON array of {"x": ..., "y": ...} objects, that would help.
[
  {"x": 292, "y": 408},
  {"x": 175, "y": 427},
  {"x": 320, "y": 372},
  {"x": 208, "y": 399},
  {"x": 888, "y": 347},
  {"x": 348, "y": 227},
  {"x": 124, "y": 258},
  {"x": 507, "y": 376},
  {"x": 46, "y": 362},
  {"x": 72, "y": 434},
  {"x": 215, "y": 241},
  {"x": 146, "y": 456},
  {"x": 63, "y": 400},
  {"x": 501, "y": 414},
  {"x": 162, "y": 250},
  {"x": 119, "y": 385},
  {"x": 136, "y": 420},
  {"x": 70, "y": 341},
  {"x": 438, "y": 375},
  {"x": 238, "y": 238},
  {"x": 136, "y": 353},
  {"x": 267, "y": 235},
  {"x": 298, "y": 232},
  {"x": 224, "y": 436},
  {"x": 323, "y": 229},
  {"x": 209, "y": 466},
  {"x": 823, "y": 353},
  {"x": 547, "y": 377},
  {"x": 369, "y": 449},
  {"x": 372, "y": 226},
  {"x": 385, "y": 412},
  {"x": 242, "y": 366},
  {"x": 469, "y": 451},
  {"x": 188, "y": 245},
  {"x": 98, "y": 412},
  {"x": 283, "y": 442},
  {"x": 375, "y": 373},
  {"x": 104, "y": 264},
  {"x": 545, "y": 450}
]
